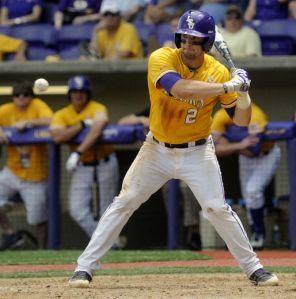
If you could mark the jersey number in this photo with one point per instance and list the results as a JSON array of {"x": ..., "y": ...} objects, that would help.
[{"x": 191, "y": 116}]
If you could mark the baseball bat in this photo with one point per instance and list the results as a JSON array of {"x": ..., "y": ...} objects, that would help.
[{"x": 223, "y": 49}]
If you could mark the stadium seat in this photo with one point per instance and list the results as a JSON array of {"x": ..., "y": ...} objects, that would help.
[
  {"x": 40, "y": 53},
  {"x": 69, "y": 36},
  {"x": 5, "y": 30},
  {"x": 41, "y": 39},
  {"x": 278, "y": 37},
  {"x": 72, "y": 53},
  {"x": 37, "y": 34},
  {"x": 164, "y": 33},
  {"x": 145, "y": 33}
]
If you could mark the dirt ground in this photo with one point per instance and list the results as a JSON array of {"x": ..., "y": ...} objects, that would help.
[{"x": 187, "y": 286}]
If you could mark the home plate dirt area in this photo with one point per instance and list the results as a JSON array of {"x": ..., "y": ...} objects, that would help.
[{"x": 197, "y": 285}]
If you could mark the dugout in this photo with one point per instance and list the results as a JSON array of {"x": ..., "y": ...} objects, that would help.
[{"x": 122, "y": 87}]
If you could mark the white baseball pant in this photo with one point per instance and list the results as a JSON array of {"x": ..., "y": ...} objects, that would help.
[
  {"x": 80, "y": 194},
  {"x": 32, "y": 193},
  {"x": 154, "y": 165},
  {"x": 255, "y": 174}
]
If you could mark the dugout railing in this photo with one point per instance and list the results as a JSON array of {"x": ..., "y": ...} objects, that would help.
[{"x": 114, "y": 134}]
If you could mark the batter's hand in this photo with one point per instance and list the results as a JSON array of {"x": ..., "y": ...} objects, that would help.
[
  {"x": 72, "y": 161},
  {"x": 240, "y": 82},
  {"x": 250, "y": 140}
]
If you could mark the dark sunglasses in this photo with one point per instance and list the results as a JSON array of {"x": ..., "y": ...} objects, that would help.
[
  {"x": 25, "y": 94},
  {"x": 233, "y": 18},
  {"x": 111, "y": 14},
  {"x": 194, "y": 43}
]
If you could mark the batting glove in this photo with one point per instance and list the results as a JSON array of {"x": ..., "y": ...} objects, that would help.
[
  {"x": 72, "y": 161},
  {"x": 240, "y": 82},
  {"x": 235, "y": 72}
]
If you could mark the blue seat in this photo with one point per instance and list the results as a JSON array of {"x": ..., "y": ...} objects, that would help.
[
  {"x": 37, "y": 34},
  {"x": 164, "y": 33},
  {"x": 145, "y": 32},
  {"x": 40, "y": 53},
  {"x": 70, "y": 35},
  {"x": 278, "y": 37},
  {"x": 72, "y": 53},
  {"x": 5, "y": 30}
]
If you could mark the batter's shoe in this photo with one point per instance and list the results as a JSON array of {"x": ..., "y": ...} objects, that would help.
[
  {"x": 262, "y": 278},
  {"x": 80, "y": 279}
]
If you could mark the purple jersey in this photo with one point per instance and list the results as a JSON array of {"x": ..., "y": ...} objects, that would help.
[
  {"x": 19, "y": 8},
  {"x": 270, "y": 10},
  {"x": 79, "y": 6}
]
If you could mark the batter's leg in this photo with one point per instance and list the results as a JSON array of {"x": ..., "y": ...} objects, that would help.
[
  {"x": 202, "y": 174},
  {"x": 149, "y": 171}
]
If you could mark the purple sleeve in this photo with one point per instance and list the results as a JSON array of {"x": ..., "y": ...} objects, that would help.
[{"x": 168, "y": 80}]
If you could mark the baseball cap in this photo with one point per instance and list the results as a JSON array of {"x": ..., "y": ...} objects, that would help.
[
  {"x": 23, "y": 88},
  {"x": 110, "y": 7},
  {"x": 234, "y": 11}
]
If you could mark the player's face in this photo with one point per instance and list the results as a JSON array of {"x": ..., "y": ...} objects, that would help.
[
  {"x": 78, "y": 99},
  {"x": 22, "y": 100},
  {"x": 191, "y": 46}
]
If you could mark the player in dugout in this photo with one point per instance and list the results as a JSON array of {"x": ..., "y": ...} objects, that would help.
[
  {"x": 184, "y": 86},
  {"x": 26, "y": 168}
]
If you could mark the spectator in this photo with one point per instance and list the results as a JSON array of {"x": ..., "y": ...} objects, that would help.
[
  {"x": 77, "y": 12},
  {"x": 217, "y": 8},
  {"x": 257, "y": 165},
  {"x": 132, "y": 10},
  {"x": 159, "y": 11},
  {"x": 26, "y": 168},
  {"x": 88, "y": 162},
  {"x": 114, "y": 38},
  {"x": 16, "y": 12},
  {"x": 10, "y": 45},
  {"x": 263, "y": 10},
  {"x": 243, "y": 41},
  {"x": 292, "y": 9}
]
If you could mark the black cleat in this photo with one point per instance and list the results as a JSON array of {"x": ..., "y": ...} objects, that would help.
[
  {"x": 262, "y": 278},
  {"x": 80, "y": 279}
]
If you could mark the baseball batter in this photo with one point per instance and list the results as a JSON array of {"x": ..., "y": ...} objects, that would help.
[
  {"x": 256, "y": 168},
  {"x": 184, "y": 86},
  {"x": 88, "y": 161}
]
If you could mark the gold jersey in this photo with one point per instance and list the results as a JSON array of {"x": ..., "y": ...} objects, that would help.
[
  {"x": 27, "y": 162},
  {"x": 67, "y": 117},
  {"x": 221, "y": 122},
  {"x": 172, "y": 120}
]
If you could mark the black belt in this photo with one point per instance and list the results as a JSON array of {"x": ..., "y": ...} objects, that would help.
[
  {"x": 96, "y": 162},
  {"x": 182, "y": 145}
]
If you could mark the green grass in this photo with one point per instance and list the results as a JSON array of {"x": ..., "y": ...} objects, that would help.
[
  {"x": 52, "y": 257},
  {"x": 144, "y": 271}
]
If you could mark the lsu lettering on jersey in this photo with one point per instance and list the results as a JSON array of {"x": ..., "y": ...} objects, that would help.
[
  {"x": 35, "y": 167},
  {"x": 172, "y": 120},
  {"x": 221, "y": 121},
  {"x": 68, "y": 117}
]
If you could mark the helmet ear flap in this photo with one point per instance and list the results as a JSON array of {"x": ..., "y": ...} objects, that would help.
[{"x": 178, "y": 40}]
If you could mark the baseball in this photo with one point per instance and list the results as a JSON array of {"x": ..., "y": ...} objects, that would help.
[{"x": 41, "y": 85}]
